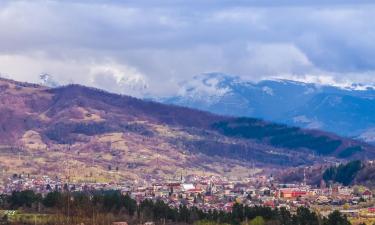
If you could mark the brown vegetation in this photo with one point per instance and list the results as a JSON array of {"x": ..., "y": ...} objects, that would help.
[{"x": 61, "y": 131}]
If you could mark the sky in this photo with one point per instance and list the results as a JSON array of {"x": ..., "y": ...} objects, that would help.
[{"x": 137, "y": 47}]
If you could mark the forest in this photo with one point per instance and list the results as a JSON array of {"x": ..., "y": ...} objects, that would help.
[
  {"x": 344, "y": 173},
  {"x": 281, "y": 135}
]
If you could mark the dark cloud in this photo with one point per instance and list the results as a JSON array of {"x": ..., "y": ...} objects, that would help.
[{"x": 163, "y": 42}]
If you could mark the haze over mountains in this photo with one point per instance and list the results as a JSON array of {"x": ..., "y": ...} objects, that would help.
[
  {"x": 347, "y": 111},
  {"x": 55, "y": 130}
]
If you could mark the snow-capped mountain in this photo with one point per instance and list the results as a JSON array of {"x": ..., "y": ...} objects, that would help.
[{"x": 348, "y": 111}]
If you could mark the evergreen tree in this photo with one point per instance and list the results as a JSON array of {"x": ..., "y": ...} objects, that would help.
[
  {"x": 305, "y": 217},
  {"x": 336, "y": 218}
]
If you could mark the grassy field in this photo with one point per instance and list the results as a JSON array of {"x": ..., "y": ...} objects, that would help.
[
  {"x": 19, "y": 217},
  {"x": 16, "y": 216},
  {"x": 367, "y": 221},
  {"x": 116, "y": 157}
]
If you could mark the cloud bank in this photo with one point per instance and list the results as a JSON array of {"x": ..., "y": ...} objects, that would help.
[{"x": 134, "y": 47}]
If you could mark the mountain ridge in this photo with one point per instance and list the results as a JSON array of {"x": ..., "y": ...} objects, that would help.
[
  {"x": 283, "y": 101},
  {"x": 99, "y": 130}
]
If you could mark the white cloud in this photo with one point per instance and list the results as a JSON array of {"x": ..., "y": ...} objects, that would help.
[
  {"x": 118, "y": 78},
  {"x": 101, "y": 73},
  {"x": 275, "y": 58},
  {"x": 115, "y": 43}
]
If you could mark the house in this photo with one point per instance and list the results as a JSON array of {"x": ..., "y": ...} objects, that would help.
[
  {"x": 194, "y": 191},
  {"x": 119, "y": 223},
  {"x": 367, "y": 195},
  {"x": 174, "y": 187},
  {"x": 292, "y": 193},
  {"x": 269, "y": 204},
  {"x": 186, "y": 187},
  {"x": 345, "y": 191},
  {"x": 350, "y": 212},
  {"x": 228, "y": 206},
  {"x": 322, "y": 199}
]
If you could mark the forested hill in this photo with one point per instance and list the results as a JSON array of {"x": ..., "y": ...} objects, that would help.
[
  {"x": 275, "y": 135},
  {"x": 293, "y": 138},
  {"x": 349, "y": 173},
  {"x": 142, "y": 137},
  {"x": 354, "y": 172}
]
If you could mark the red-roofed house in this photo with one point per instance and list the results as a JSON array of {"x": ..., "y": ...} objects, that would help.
[{"x": 367, "y": 195}]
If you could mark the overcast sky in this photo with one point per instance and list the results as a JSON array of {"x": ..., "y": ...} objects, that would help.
[{"x": 156, "y": 44}]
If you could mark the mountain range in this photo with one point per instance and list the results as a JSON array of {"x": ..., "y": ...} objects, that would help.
[
  {"x": 347, "y": 111},
  {"x": 59, "y": 131}
]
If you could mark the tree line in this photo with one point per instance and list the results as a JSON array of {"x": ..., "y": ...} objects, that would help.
[
  {"x": 93, "y": 207},
  {"x": 344, "y": 173}
]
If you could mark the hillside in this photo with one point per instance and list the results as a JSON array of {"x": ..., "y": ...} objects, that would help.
[
  {"x": 347, "y": 111},
  {"x": 348, "y": 174},
  {"x": 59, "y": 131}
]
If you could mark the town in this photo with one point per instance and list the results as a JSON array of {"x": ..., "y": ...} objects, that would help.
[{"x": 218, "y": 193}]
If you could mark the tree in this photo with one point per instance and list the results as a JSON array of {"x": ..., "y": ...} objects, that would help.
[
  {"x": 184, "y": 214},
  {"x": 129, "y": 204},
  {"x": 257, "y": 221},
  {"x": 336, "y": 218},
  {"x": 305, "y": 217},
  {"x": 52, "y": 199},
  {"x": 344, "y": 174},
  {"x": 285, "y": 217},
  {"x": 23, "y": 198}
]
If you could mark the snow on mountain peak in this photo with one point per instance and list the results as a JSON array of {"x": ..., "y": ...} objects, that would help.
[
  {"x": 295, "y": 102},
  {"x": 215, "y": 85},
  {"x": 310, "y": 123},
  {"x": 208, "y": 87},
  {"x": 368, "y": 135},
  {"x": 268, "y": 90},
  {"x": 326, "y": 80},
  {"x": 48, "y": 80}
]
